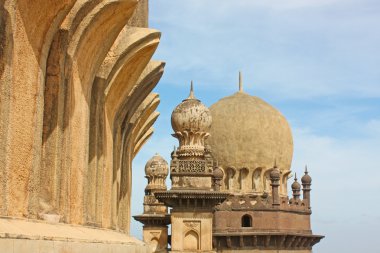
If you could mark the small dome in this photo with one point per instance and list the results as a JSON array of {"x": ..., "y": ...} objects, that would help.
[
  {"x": 306, "y": 179},
  {"x": 218, "y": 173},
  {"x": 157, "y": 166},
  {"x": 275, "y": 173},
  {"x": 295, "y": 184},
  {"x": 191, "y": 115},
  {"x": 247, "y": 132}
]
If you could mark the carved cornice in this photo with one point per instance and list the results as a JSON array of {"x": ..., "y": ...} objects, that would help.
[
  {"x": 153, "y": 219},
  {"x": 265, "y": 240},
  {"x": 191, "y": 199}
]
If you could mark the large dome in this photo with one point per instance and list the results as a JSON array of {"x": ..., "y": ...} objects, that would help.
[{"x": 249, "y": 133}]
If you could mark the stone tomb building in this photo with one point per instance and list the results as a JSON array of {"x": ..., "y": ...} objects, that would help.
[{"x": 229, "y": 180}]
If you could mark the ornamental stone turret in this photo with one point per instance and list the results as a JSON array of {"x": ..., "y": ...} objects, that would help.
[
  {"x": 156, "y": 171},
  {"x": 155, "y": 217},
  {"x": 192, "y": 164},
  {"x": 296, "y": 187},
  {"x": 195, "y": 184},
  {"x": 306, "y": 183},
  {"x": 275, "y": 183}
]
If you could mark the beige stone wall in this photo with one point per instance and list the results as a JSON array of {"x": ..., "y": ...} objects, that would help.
[
  {"x": 263, "y": 221},
  {"x": 191, "y": 231},
  {"x": 157, "y": 238},
  {"x": 75, "y": 107}
]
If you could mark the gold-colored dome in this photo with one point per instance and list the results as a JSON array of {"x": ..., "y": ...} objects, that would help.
[{"x": 249, "y": 133}]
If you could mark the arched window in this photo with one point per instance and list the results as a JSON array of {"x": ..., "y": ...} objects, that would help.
[{"x": 246, "y": 221}]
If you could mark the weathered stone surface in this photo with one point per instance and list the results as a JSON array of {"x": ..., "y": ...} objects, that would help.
[
  {"x": 75, "y": 107},
  {"x": 20, "y": 235},
  {"x": 191, "y": 231},
  {"x": 247, "y": 137}
]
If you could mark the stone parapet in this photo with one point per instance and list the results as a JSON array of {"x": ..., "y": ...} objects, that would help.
[{"x": 262, "y": 203}]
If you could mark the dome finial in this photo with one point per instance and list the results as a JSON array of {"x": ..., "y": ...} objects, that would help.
[
  {"x": 240, "y": 82},
  {"x": 191, "y": 95},
  {"x": 295, "y": 176}
]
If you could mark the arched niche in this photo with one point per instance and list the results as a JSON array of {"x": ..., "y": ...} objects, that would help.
[
  {"x": 230, "y": 178},
  {"x": 257, "y": 182},
  {"x": 191, "y": 241},
  {"x": 243, "y": 178},
  {"x": 266, "y": 180},
  {"x": 154, "y": 243}
]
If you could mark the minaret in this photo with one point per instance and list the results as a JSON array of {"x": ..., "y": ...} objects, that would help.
[
  {"x": 275, "y": 183},
  {"x": 296, "y": 187},
  {"x": 306, "y": 183},
  {"x": 192, "y": 195},
  {"x": 155, "y": 217}
]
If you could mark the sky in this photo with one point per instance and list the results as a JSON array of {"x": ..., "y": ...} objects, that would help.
[{"x": 318, "y": 62}]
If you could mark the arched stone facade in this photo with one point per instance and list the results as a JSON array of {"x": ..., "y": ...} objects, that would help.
[{"x": 76, "y": 106}]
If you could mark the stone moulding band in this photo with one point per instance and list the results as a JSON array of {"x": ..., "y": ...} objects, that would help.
[{"x": 267, "y": 240}]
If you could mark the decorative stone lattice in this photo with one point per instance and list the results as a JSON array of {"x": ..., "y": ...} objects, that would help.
[{"x": 193, "y": 166}]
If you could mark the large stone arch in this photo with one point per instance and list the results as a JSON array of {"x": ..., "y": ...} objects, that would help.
[
  {"x": 28, "y": 36},
  {"x": 85, "y": 56},
  {"x": 65, "y": 66},
  {"x": 142, "y": 120},
  {"x": 121, "y": 83}
]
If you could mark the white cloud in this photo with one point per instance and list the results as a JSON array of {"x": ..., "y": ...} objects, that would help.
[
  {"x": 303, "y": 52},
  {"x": 345, "y": 176}
]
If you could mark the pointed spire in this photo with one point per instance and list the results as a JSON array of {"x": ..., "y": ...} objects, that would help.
[
  {"x": 191, "y": 95},
  {"x": 306, "y": 179},
  {"x": 240, "y": 82}
]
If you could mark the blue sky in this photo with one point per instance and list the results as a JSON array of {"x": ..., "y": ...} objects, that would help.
[{"x": 318, "y": 62}]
